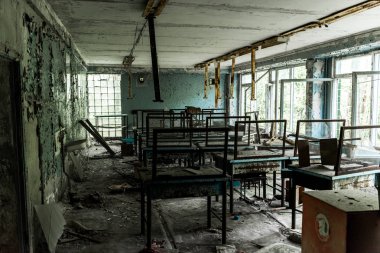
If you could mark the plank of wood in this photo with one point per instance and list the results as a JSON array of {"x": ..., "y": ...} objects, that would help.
[
  {"x": 148, "y": 8},
  {"x": 253, "y": 71},
  {"x": 303, "y": 153},
  {"x": 160, "y": 7}
]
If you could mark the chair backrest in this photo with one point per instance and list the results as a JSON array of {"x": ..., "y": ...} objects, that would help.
[
  {"x": 303, "y": 153},
  {"x": 328, "y": 150}
]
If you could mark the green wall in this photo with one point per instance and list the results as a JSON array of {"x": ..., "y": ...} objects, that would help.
[
  {"x": 178, "y": 89},
  {"x": 53, "y": 97}
]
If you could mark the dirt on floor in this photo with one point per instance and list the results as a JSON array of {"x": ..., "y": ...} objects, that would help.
[{"x": 103, "y": 215}]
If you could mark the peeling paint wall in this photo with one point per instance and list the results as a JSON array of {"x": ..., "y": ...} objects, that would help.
[
  {"x": 315, "y": 94},
  {"x": 46, "y": 101},
  {"x": 177, "y": 90},
  {"x": 51, "y": 106},
  {"x": 233, "y": 103}
]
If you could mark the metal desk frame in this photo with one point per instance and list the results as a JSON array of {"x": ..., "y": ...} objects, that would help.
[
  {"x": 318, "y": 181},
  {"x": 215, "y": 184}
]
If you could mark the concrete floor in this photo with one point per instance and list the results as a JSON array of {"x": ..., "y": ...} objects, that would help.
[{"x": 113, "y": 219}]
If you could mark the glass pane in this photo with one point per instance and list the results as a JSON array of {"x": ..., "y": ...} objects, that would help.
[
  {"x": 349, "y": 65},
  {"x": 299, "y": 72},
  {"x": 344, "y": 100},
  {"x": 299, "y": 107},
  {"x": 246, "y": 78},
  {"x": 364, "y": 100},
  {"x": 287, "y": 102},
  {"x": 261, "y": 94}
]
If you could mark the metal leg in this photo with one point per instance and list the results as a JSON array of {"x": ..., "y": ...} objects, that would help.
[
  {"x": 282, "y": 191},
  {"x": 149, "y": 219},
  {"x": 208, "y": 211},
  {"x": 292, "y": 200},
  {"x": 244, "y": 189},
  {"x": 231, "y": 195},
  {"x": 265, "y": 187},
  {"x": 145, "y": 158},
  {"x": 241, "y": 188},
  {"x": 216, "y": 198},
  {"x": 224, "y": 214},
  {"x": 274, "y": 183},
  {"x": 259, "y": 187},
  {"x": 142, "y": 205}
]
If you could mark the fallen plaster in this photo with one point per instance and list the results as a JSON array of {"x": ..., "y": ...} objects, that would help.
[{"x": 112, "y": 219}]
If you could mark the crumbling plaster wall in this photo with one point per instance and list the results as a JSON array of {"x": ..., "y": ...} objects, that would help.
[{"x": 51, "y": 106}]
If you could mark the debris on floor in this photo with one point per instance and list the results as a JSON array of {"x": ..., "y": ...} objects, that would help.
[
  {"x": 293, "y": 235},
  {"x": 90, "y": 200},
  {"x": 268, "y": 239},
  {"x": 103, "y": 214},
  {"x": 226, "y": 249},
  {"x": 119, "y": 187},
  {"x": 51, "y": 222},
  {"x": 279, "y": 248}
]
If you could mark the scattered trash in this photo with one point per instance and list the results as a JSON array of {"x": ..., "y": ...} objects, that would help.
[
  {"x": 119, "y": 187},
  {"x": 77, "y": 226},
  {"x": 158, "y": 244},
  {"x": 268, "y": 239},
  {"x": 83, "y": 236},
  {"x": 226, "y": 249},
  {"x": 292, "y": 235},
  {"x": 279, "y": 248},
  {"x": 52, "y": 224},
  {"x": 295, "y": 237}
]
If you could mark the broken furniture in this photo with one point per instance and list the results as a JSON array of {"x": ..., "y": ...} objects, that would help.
[
  {"x": 169, "y": 181},
  {"x": 166, "y": 121},
  {"x": 114, "y": 122},
  {"x": 92, "y": 130},
  {"x": 315, "y": 130},
  {"x": 138, "y": 118},
  {"x": 162, "y": 119},
  {"x": 343, "y": 221},
  {"x": 253, "y": 162},
  {"x": 73, "y": 149},
  {"x": 306, "y": 140},
  {"x": 348, "y": 172},
  {"x": 214, "y": 143}
]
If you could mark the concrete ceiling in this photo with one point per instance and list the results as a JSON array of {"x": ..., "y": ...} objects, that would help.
[{"x": 189, "y": 32}]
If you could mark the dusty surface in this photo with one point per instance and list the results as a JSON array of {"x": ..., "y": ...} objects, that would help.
[{"x": 112, "y": 220}]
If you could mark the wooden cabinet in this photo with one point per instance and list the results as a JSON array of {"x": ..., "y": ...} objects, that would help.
[{"x": 344, "y": 221}]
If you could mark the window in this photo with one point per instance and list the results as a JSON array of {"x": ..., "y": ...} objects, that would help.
[
  {"x": 349, "y": 65},
  {"x": 293, "y": 105},
  {"x": 104, "y": 99},
  {"x": 265, "y": 103},
  {"x": 259, "y": 104},
  {"x": 356, "y": 92}
]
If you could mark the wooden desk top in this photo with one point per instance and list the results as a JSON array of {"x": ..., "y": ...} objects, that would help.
[
  {"x": 327, "y": 171},
  {"x": 348, "y": 200}
]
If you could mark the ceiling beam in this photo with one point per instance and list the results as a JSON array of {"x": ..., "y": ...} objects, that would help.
[{"x": 284, "y": 37}]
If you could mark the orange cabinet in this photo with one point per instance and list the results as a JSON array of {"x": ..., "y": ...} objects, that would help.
[{"x": 344, "y": 221}]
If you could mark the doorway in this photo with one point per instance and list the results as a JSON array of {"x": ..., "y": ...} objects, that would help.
[{"x": 13, "y": 228}]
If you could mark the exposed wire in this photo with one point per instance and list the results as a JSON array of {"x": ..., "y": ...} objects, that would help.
[{"x": 128, "y": 60}]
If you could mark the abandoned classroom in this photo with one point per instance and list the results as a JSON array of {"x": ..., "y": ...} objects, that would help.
[{"x": 189, "y": 126}]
